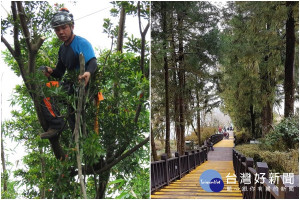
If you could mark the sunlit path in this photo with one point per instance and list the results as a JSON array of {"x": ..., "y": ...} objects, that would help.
[{"x": 189, "y": 187}]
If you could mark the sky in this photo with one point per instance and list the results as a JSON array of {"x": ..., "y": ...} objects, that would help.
[{"x": 88, "y": 16}]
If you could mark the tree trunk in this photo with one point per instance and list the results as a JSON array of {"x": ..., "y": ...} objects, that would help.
[
  {"x": 121, "y": 30},
  {"x": 198, "y": 118},
  {"x": 177, "y": 122},
  {"x": 43, "y": 173},
  {"x": 267, "y": 87},
  {"x": 289, "y": 61},
  {"x": 143, "y": 41},
  {"x": 252, "y": 117},
  {"x": 181, "y": 75},
  {"x": 175, "y": 86},
  {"x": 166, "y": 70},
  {"x": 3, "y": 156},
  {"x": 103, "y": 180},
  {"x": 153, "y": 148},
  {"x": 267, "y": 118}
]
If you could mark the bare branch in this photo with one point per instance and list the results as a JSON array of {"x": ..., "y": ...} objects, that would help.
[
  {"x": 8, "y": 46},
  {"x": 16, "y": 32},
  {"x": 38, "y": 44},
  {"x": 143, "y": 40},
  {"x": 24, "y": 24},
  {"x": 139, "y": 17}
]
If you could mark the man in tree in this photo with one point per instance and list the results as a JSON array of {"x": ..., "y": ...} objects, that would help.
[{"x": 68, "y": 59}]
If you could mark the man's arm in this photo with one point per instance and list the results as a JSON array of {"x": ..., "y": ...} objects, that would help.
[
  {"x": 91, "y": 65},
  {"x": 59, "y": 71},
  {"x": 90, "y": 69}
]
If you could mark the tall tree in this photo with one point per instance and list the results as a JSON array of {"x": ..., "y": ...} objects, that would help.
[
  {"x": 253, "y": 61},
  {"x": 166, "y": 71},
  {"x": 289, "y": 87},
  {"x": 191, "y": 35}
]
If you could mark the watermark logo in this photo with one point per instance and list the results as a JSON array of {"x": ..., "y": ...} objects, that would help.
[{"x": 211, "y": 181}]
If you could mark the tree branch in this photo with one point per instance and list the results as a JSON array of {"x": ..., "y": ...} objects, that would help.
[
  {"x": 17, "y": 54},
  {"x": 128, "y": 153},
  {"x": 139, "y": 17},
  {"x": 8, "y": 46},
  {"x": 16, "y": 36},
  {"x": 24, "y": 24},
  {"x": 77, "y": 125},
  {"x": 143, "y": 40},
  {"x": 103, "y": 167},
  {"x": 38, "y": 44}
]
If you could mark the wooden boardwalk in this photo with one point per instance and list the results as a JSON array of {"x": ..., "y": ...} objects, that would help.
[{"x": 188, "y": 187}]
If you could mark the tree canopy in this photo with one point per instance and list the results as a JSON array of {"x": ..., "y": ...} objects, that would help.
[{"x": 253, "y": 63}]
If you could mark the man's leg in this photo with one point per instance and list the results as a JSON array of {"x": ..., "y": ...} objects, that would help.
[{"x": 51, "y": 115}]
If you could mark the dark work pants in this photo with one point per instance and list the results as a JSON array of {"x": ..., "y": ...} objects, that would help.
[{"x": 51, "y": 114}]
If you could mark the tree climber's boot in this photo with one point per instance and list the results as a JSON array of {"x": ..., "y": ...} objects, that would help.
[{"x": 49, "y": 134}]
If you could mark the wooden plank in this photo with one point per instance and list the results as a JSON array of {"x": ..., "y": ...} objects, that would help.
[
  {"x": 194, "y": 197},
  {"x": 188, "y": 187}
]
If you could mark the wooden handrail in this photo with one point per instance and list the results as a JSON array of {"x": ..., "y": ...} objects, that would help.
[
  {"x": 264, "y": 189},
  {"x": 169, "y": 169}
]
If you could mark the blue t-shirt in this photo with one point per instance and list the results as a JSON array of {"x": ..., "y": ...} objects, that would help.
[{"x": 68, "y": 56}]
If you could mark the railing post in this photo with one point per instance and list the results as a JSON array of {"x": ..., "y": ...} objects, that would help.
[
  {"x": 249, "y": 163},
  {"x": 261, "y": 168},
  {"x": 289, "y": 194},
  {"x": 179, "y": 164},
  {"x": 194, "y": 158},
  {"x": 241, "y": 159},
  {"x": 199, "y": 155},
  {"x": 234, "y": 159},
  {"x": 205, "y": 153},
  {"x": 165, "y": 158},
  {"x": 188, "y": 159}
]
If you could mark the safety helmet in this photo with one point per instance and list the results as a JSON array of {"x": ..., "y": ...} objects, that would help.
[{"x": 62, "y": 17}]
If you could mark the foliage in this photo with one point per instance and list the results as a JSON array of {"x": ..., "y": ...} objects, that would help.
[
  {"x": 242, "y": 136},
  {"x": 9, "y": 192},
  {"x": 252, "y": 63},
  {"x": 134, "y": 189},
  {"x": 285, "y": 136},
  {"x": 281, "y": 162}
]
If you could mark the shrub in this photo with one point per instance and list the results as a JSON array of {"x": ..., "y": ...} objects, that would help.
[
  {"x": 285, "y": 136},
  {"x": 242, "y": 136},
  {"x": 281, "y": 162}
]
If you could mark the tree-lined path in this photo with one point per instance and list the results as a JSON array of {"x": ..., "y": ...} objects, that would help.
[{"x": 189, "y": 187}]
